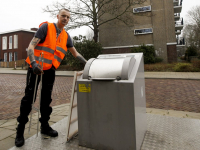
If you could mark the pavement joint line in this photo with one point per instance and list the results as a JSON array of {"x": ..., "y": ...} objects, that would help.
[
  {"x": 178, "y": 78},
  {"x": 3, "y": 123}
]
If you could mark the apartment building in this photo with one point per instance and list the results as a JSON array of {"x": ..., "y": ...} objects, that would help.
[
  {"x": 14, "y": 44},
  {"x": 154, "y": 22}
]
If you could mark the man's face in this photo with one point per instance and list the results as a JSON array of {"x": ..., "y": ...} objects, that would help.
[{"x": 63, "y": 17}]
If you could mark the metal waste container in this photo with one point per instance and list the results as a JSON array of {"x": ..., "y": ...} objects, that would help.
[{"x": 111, "y": 102}]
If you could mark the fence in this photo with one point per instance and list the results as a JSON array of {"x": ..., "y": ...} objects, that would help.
[{"x": 19, "y": 63}]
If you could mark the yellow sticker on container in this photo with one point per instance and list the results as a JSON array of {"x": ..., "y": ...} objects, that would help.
[{"x": 85, "y": 88}]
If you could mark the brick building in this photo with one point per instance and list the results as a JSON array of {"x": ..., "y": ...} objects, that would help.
[
  {"x": 14, "y": 43},
  {"x": 154, "y": 22}
]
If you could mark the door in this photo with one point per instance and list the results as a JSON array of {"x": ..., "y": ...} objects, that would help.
[{"x": 5, "y": 57}]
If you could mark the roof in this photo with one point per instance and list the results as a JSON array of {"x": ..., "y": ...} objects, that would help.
[{"x": 17, "y": 31}]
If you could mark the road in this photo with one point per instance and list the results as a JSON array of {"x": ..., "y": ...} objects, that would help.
[{"x": 173, "y": 94}]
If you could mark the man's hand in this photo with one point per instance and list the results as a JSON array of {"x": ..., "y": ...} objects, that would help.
[
  {"x": 81, "y": 59},
  {"x": 36, "y": 68}
]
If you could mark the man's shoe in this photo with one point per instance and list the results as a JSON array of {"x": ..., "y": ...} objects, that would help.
[
  {"x": 49, "y": 131},
  {"x": 19, "y": 141}
]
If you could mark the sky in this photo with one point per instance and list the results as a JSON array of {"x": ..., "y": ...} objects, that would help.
[{"x": 26, "y": 14}]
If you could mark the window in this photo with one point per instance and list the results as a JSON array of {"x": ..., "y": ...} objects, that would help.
[
  {"x": 5, "y": 57},
  {"x": 4, "y": 43},
  {"x": 142, "y": 9},
  {"x": 10, "y": 42},
  {"x": 15, "y": 41},
  {"x": 15, "y": 56},
  {"x": 143, "y": 31},
  {"x": 10, "y": 56}
]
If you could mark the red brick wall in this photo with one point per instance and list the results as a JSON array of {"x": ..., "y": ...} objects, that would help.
[
  {"x": 24, "y": 39},
  {"x": 171, "y": 53}
]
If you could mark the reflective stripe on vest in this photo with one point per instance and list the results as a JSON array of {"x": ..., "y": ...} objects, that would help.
[
  {"x": 62, "y": 50},
  {"x": 58, "y": 58},
  {"x": 50, "y": 51},
  {"x": 45, "y": 49},
  {"x": 45, "y": 60}
]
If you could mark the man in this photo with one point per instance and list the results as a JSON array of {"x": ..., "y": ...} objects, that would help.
[{"x": 53, "y": 41}]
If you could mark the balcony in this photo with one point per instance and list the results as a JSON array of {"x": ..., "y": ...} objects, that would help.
[
  {"x": 176, "y": 16},
  {"x": 179, "y": 24},
  {"x": 180, "y": 41},
  {"x": 178, "y": 32},
  {"x": 177, "y": 6},
  {"x": 177, "y": 9},
  {"x": 176, "y": 2}
]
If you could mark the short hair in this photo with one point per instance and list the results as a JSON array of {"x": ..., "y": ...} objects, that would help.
[{"x": 63, "y": 9}]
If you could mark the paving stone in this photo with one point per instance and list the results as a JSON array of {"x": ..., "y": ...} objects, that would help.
[
  {"x": 63, "y": 113},
  {"x": 11, "y": 127},
  {"x": 9, "y": 123},
  {"x": 6, "y": 133},
  {"x": 60, "y": 113},
  {"x": 2, "y": 121},
  {"x": 7, "y": 143},
  {"x": 56, "y": 118},
  {"x": 1, "y": 129}
]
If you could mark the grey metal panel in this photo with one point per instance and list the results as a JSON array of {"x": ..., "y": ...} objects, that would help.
[
  {"x": 127, "y": 67},
  {"x": 87, "y": 68},
  {"x": 106, "y": 116},
  {"x": 140, "y": 104}
]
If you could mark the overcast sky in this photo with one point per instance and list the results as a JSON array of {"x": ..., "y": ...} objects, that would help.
[{"x": 26, "y": 14}]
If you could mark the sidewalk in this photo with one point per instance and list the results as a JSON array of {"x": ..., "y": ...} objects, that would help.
[
  {"x": 20, "y": 71},
  {"x": 7, "y": 127},
  {"x": 152, "y": 75}
]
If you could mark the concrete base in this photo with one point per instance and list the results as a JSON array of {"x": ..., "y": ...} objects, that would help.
[{"x": 163, "y": 133}]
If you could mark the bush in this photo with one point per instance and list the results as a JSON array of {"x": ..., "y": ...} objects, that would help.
[
  {"x": 148, "y": 52},
  {"x": 183, "y": 67},
  {"x": 88, "y": 49},
  {"x": 191, "y": 51},
  {"x": 182, "y": 57},
  {"x": 158, "y": 60},
  {"x": 158, "y": 67},
  {"x": 196, "y": 63}
]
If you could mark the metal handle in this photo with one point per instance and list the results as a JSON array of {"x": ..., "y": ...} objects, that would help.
[{"x": 41, "y": 59}]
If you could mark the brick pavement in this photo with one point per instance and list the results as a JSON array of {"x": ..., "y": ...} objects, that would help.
[
  {"x": 12, "y": 88},
  {"x": 173, "y": 94},
  {"x": 182, "y": 95}
]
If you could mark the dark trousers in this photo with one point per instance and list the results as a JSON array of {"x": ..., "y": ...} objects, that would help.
[{"x": 47, "y": 87}]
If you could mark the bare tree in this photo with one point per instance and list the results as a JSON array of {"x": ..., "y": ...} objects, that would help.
[
  {"x": 192, "y": 28},
  {"x": 92, "y": 13}
]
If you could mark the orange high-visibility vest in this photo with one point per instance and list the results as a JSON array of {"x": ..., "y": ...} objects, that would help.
[{"x": 54, "y": 50}]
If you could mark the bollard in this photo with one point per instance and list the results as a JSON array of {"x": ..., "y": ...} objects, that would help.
[
  {"x": 15, "y": 65},
  {"x": 22, "y": 66}
]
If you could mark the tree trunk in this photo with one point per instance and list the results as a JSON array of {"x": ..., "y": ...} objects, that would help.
[
  {"x": 95, "y": 24},
  {"x": 96, "y": 34}
]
